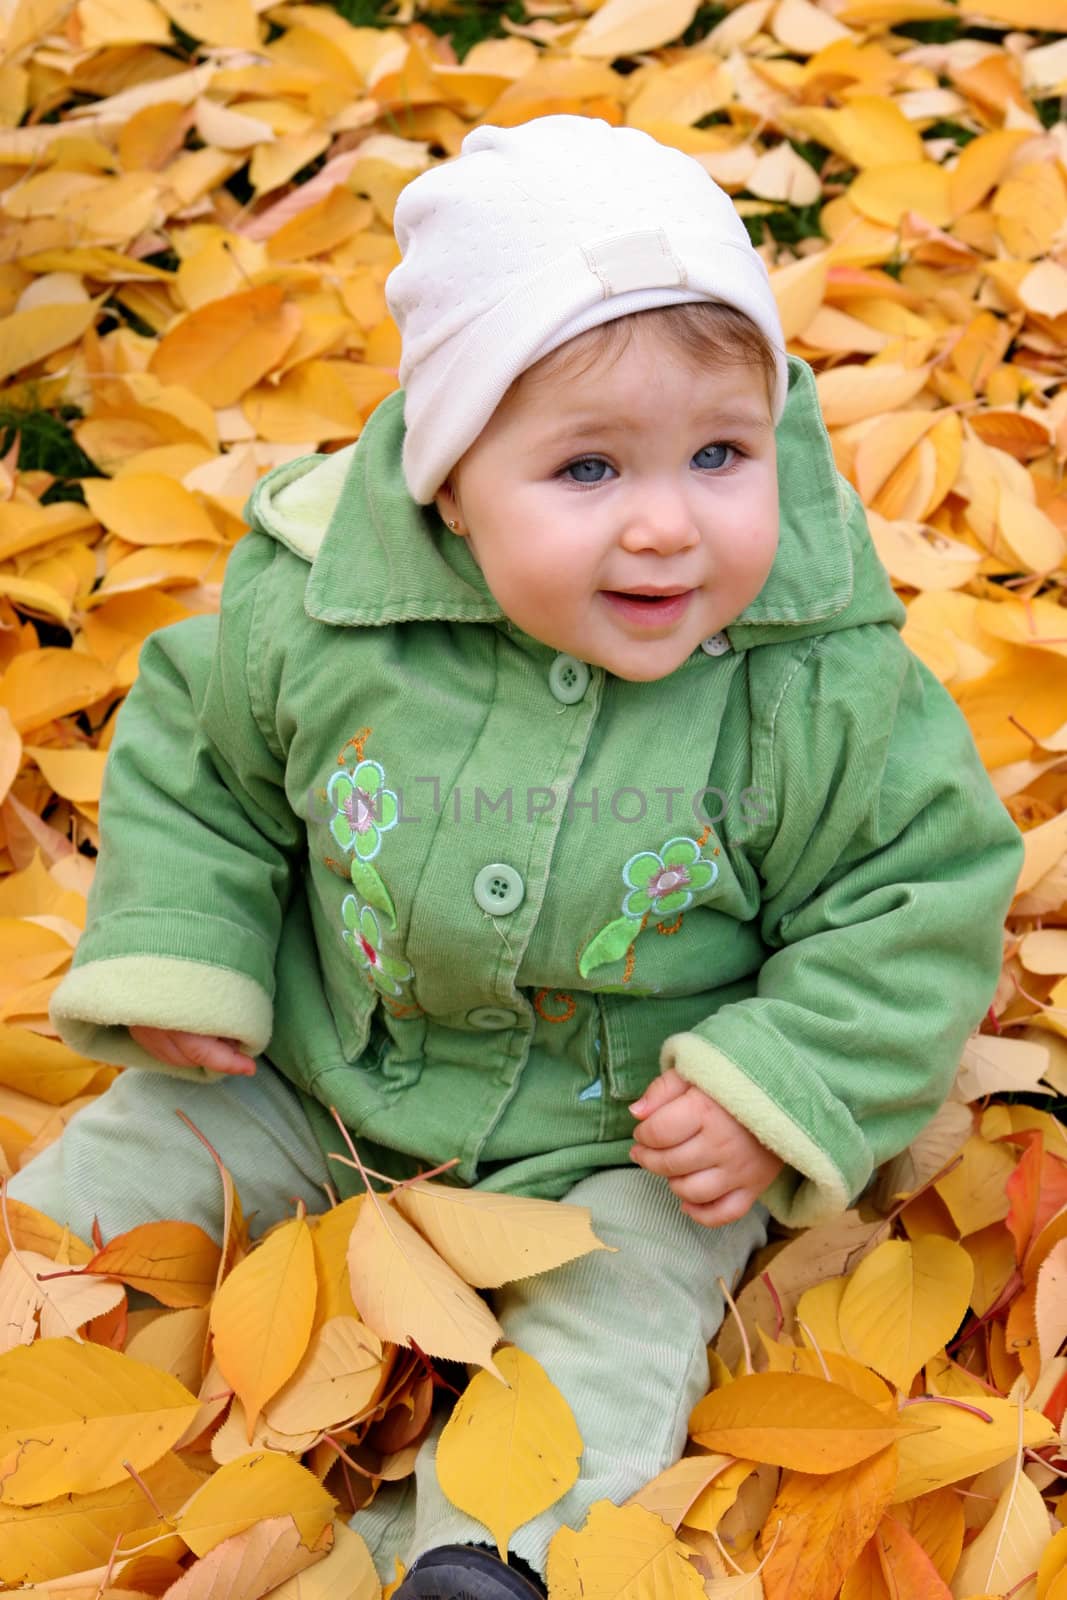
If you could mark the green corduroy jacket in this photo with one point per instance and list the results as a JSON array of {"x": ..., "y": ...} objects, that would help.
[{"x": 476, "y": 896}]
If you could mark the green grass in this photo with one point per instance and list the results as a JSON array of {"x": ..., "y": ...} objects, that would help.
[
  {"x": 466, "y": 22},
  {"x": 46, "y": 444}
]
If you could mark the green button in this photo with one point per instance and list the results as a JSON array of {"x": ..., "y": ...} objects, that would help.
[
  {"x": 489, "y": 1017},
  {"x": 568, "y": 678},
  {"x": 498, "y": 889}
]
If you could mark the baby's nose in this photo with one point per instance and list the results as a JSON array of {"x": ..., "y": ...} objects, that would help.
[{"x": 661, "y": 519}]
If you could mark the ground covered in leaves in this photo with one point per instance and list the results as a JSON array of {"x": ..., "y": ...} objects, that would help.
[{"x": 196, "y": 204}]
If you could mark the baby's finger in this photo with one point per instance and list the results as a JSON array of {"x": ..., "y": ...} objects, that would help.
[
  {"x": 215, "y": 1055},
  {"x": 676, "y": 1162},
  {"x": 660, "y": 1092},
  {"x": 161, "y": 1044},
  {"x": 701, "y": 1188},
  {"x": 672, "y": 1124},
  {"x": 730, "y": 1208}
]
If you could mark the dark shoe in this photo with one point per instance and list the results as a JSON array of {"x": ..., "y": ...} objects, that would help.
[{"x": 465, "y": 1572}]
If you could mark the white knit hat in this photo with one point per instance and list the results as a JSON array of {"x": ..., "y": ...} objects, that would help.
[{"x": 534, "y": 234}]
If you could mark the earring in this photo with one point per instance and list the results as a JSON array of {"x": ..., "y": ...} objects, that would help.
[{"x": 452, "y": 524}]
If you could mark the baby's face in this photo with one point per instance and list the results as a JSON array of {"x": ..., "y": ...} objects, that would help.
[{"x": 626, "y": 514}]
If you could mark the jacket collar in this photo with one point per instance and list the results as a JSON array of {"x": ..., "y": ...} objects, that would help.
[{"x": 377, "y": 557}]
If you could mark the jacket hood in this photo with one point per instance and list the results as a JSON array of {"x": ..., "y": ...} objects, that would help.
[{"x": 377, "y": 557}]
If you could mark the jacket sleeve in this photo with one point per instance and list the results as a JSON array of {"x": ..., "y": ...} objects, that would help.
[
  {"x": 197, "y": 844},
  {"x": 889, "y": 865}
]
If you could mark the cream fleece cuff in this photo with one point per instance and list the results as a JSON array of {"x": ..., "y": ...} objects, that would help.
[{"x": 94, "y": 1007}]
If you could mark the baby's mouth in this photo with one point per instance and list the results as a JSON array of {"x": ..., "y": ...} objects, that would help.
[{"x": 666, "y": 606}]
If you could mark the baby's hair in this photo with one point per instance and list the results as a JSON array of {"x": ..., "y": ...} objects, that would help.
[{"x": 703, "y": 331}]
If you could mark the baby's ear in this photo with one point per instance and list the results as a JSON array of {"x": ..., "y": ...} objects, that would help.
[{"x": 445, "y": 502}]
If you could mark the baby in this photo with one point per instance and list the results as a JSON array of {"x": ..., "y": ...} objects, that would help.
[{"x": 553, "y": 792}]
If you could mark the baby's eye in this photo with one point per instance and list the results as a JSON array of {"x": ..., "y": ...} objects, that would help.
[
  {"x": 587, "y": 470},
  {"x": 715, "y": 456}
]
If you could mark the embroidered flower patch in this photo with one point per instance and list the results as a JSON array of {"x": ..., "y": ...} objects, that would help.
[
  {"x": 661, "y": 883},
  {"x": 364, "y": 809},
  {"x": 665, "y": 880},
  {"x": 363, "y": 936}
]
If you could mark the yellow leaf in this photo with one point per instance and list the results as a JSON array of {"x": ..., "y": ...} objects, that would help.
[
  {"x": 342, "y": 1374},
  {"x": 222, "y": 22},
  {"x": 219, "y": 351},
  {"x": 346, "y": 1574},
  {"x": 508, "y": 1453},
  {"x": 32, "y": 1230},
  {"x": 981, "y": 165},
  {"x": 713, "y": 1502},
  {"x": 1050, "y": 1307},
  {"x": 28, "y": 336},
  {"x": 148, "y": 508},
  {"x": 10, "y": 751},
  {"x": 110, "y": 22},
  {"x": 74, "y": 774},
  {"x": 1044, "y": 846},
  {"x": 974, "y": 1191},
  {"x": 492, "y": 1239},
  {"x": 871, "y": 131},
  {"x": 1044, "y": 14},
  {"x": 780, "y": 174},
  {"x": 799, "y": 289},
  {"x": 1030, "y": 532},
  {"x": 992, "y": 1065},
  {"x": 805, "y": 28},
  {"x": 792, "y": 1421},
  {"x": 249, "y": 1564},
  {"x": 673, "y": 1492},
  {"x": 329, "y": 1239},
  {"x": 1009, "y": 1547},
  {"x": 921, "y": 557},
  {"x": 63, "y": 1304},
  {"x": 961, "y": 1444},
  {"x": 319, "y": 400},
  {"x": 319, "y": 228},
  {"x": 884, "y": 446},
  {"x": 74, "y": 1531},
  {"x": 848, "y": 394},
  {"x": 621, "y": 27},
  {"x": 886, "y": 193},
  {"x": 174, "y": 1342},
  {"x": 903, "y": 1304},
  {"x": 261, "y": 1316},
  {"x": 404, "y": 1291},
  {"x": 43, "y": 1068},
  {"x": 249, "y": 1489},
  {"x": 1053, "y": 1558},
  {"x": 621, "y": 1553},
  {"x": 41, "y": 685},
  {"x": 71, "y": 1414},
  {"x": 823, "y": 1523}
]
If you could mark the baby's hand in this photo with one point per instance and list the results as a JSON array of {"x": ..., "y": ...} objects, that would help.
[
  {"x": 714, "y": 1165},
  {"x": 194, "y": 1050}
]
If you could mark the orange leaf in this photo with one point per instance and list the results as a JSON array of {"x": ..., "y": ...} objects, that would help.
[
  {"x": 824, "y": 1523},
  {"x": 221, "y": 350},
  {"x": 791, "y": 1420},
  {"x": 175, "y": 1262},
  {"x": 908, "y": 1571}
]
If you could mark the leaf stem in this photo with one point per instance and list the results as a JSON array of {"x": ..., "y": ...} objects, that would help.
[
  {"x": 779, "y": 1315},
  {"x": 730, "y": 1301},
  {"x": 946, "y": 1400},
  {"x": 146, "y": 1491}
]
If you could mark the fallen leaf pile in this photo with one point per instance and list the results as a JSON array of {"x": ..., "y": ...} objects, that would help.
[{"x": 195, "y": 228}]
